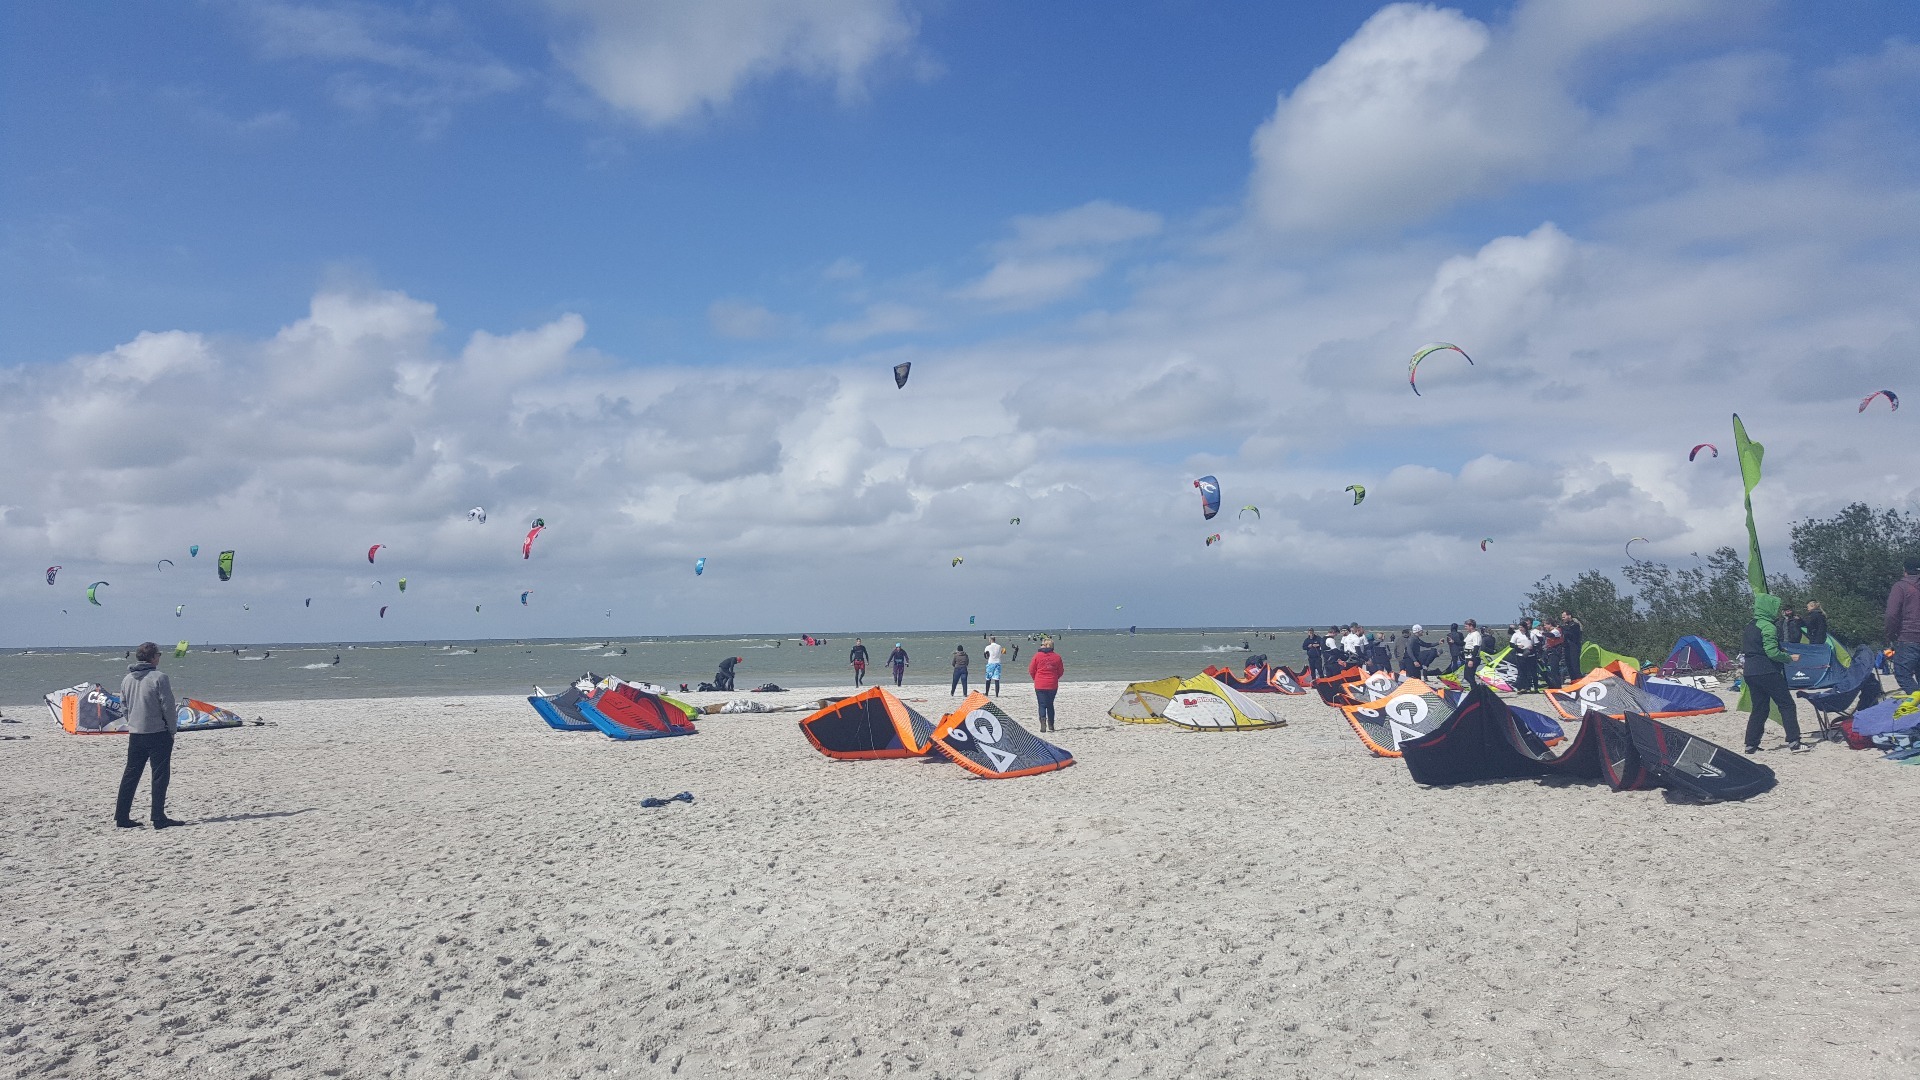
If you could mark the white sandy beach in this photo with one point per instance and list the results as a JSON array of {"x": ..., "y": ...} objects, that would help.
[{"x": 433, "y": 887}]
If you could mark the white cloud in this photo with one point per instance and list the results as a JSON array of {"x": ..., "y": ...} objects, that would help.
[
  {"x": 1425, "y": 106},
  {"x": 743, "y": 320},
  {"x": 424, "y": 61},
  {"x": 664, "y": 62},
  {"x": 1052, "y": 256},
  {"x": 877, "y": 321}
]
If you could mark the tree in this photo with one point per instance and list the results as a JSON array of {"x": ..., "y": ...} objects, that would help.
[
  {"x": 1606, "y": 615},
  {"x": 1851, "y": 559}
]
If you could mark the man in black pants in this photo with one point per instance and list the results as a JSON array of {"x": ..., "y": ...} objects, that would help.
[
  {"x": 1764, "y": 666},
  {"x": 152, "y": 719}
]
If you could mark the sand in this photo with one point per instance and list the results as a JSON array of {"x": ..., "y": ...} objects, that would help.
[{"x": 434, "y": 887}]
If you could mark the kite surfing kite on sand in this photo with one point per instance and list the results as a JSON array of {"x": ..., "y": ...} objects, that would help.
[
  {"x": 1413, "y": 365},
  {"x": 1209, "y": 496}
]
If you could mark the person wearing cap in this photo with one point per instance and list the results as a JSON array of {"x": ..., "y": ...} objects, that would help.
[
  {"x": 1045, "y": 669},
  {"x": 1903, "y": 626},
  {"x": 897, "y": 660}
]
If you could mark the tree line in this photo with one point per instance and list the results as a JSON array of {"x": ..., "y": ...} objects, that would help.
[{"x": 1847, "y": 563}]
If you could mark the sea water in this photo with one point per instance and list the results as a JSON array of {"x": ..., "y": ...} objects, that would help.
[{"x": 260, "y": 672}]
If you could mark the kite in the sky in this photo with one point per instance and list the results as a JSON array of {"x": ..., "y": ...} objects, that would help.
[
  {"x": 900, "y": 373},
  {"x": 1636, "y": 540},
  {"x": 699, "y": 566},
  {"x": 476, "y": 609},
  {"x": 403, "y": 584},
  {"x": 1695, "y": 452},
  {"x": 193, "y": 551},
  {"x": 309, "y": 601},
  {"x": 377, "y": 584},
  {"x": 1212, "y": 540},
  {"x": 226, "y": 566},
  {"x": 1209, "y": 496},
  {"x": 177, "y": 609},
  {"x": 1484, "y": 543},
  {"x": 523, "y": 597},
  {"x": 93, "y": 595},
  {"x": 1243, "y": 512},
  {"x": 1413, "y": 365},
  {"x": 1893, "y": 400},
  {"x": 383, "y": 611},
  {"x": 1013, "y": 521},
  {"x": 1359, "y": 493},
  {"x": 957, "y": 560},
  {"x": 51, "y": 571},
  {"x": 477, "y": 515},
  {"x": 373, "y": 549},
  {"x": 970, "y": 619},
  {"x": 526, "y": 546},
  {"x": 161, "y": 563}
]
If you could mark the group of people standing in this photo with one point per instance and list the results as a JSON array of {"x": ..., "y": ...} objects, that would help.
[
  {"x": 1045, "y": 669},
  {"x": 1544, "y": 652}
]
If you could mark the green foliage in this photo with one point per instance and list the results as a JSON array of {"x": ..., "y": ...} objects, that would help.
[{"x": 1851, "y": 559}]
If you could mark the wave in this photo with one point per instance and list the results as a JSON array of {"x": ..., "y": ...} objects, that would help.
[
  {"x": 314, "y": 667},
  {"x": 1188, "y": 652}
]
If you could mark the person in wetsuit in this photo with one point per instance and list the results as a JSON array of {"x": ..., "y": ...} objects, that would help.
[
  {"x": 723, "y": 679},
  {"x": 897, "y": 660},
  {"x": 857, "y": 656}
]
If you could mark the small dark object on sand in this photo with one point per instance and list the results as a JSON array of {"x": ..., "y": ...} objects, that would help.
[{"x": 685, "y": 796}]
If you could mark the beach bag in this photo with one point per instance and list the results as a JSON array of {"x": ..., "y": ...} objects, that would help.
[{"x": 1855, "y": 741}]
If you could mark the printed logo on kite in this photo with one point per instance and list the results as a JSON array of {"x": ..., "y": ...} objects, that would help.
[{"x": 1209, "y": 496}]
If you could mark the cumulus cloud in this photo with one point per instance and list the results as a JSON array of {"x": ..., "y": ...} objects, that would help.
[
  {"x": 743, "y": 320},
  {"x": 1424, "y": 106},
  {"x": 663, "y": 62}
]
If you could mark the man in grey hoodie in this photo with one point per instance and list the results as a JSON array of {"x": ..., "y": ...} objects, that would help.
[{"x": 152, "y": 718}]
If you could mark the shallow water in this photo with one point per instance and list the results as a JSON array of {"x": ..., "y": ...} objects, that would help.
[{"x": 405, "y": 669}]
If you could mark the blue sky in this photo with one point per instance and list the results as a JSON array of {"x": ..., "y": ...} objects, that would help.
[{"x": 1122, "y": 244}]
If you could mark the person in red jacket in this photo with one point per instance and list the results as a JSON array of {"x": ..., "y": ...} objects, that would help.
[{"x": 1045, "y": 668}]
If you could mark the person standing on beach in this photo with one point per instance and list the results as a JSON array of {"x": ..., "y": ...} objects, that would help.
[
  {"x": 1313, "y": 647},
  {"x": 1903, "y": 626},
  {"x": 1576, "y": 635},
  {"x": 1525, "y": 659},
  {"x": 959, "y": 671},
  {"x": 1472, "y": 641},
  {"x": 1816, "y": 623},
  {"x": 1456, "y": 647},
  {"x": 897, "y": 660},
  {"x": 857, "y": 656},
  {"x": 993, "y": 652},
  {"x": 152, "y": 719},
  {"x": 1764, "y": 666},
  {"x": 1791, "y": 626},
  {"x": 1045, "y": 669}
]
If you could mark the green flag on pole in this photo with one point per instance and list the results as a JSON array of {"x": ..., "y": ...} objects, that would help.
[{"x": 1750, "y": 453}]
